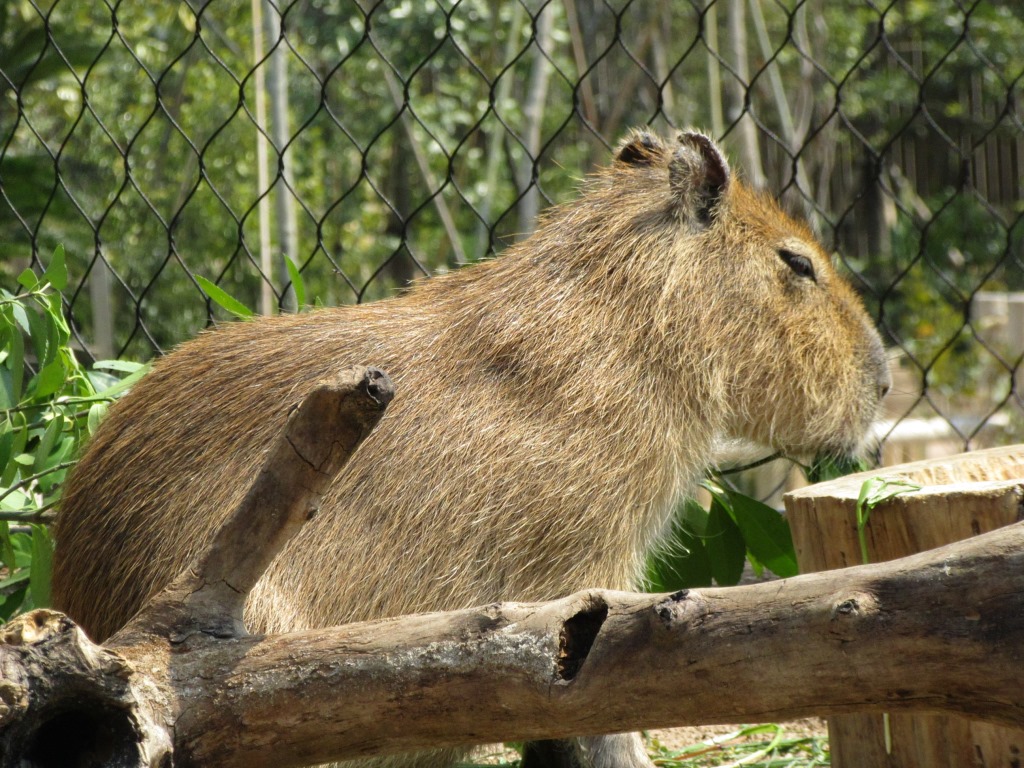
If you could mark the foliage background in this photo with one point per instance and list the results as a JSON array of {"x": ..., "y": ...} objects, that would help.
[{"x": 49, "y": 404}]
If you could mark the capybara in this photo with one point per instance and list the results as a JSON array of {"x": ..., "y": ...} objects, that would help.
[{"x": 553, "y": 405}]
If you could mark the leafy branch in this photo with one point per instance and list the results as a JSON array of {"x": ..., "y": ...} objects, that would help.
[{"x": 49, "y": 404}]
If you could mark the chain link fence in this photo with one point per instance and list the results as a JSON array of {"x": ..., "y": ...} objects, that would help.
[{"x": 373, "y": 143}]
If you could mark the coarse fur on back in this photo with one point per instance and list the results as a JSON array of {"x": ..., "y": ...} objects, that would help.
[{"x": 553, "y": 405}]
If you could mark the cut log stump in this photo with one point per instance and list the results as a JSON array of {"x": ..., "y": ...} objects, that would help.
[{"x": 961, "y": 496}]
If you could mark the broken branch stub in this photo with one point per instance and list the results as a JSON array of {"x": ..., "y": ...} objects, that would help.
[{"x": 321, "y": 434}]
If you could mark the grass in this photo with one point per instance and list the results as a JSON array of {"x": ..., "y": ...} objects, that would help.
[{"x": 753, "y": 746}]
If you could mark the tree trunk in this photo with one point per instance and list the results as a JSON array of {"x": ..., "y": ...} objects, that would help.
[
  {"x": 102, "y": 296},
  {"x": 267, "y": 302},
  {"x": 739, "y": 87},
  {"x": 714, "y": 69},
  {"x": 533, "y": 114},
  {"x": 277, "y": 84}
]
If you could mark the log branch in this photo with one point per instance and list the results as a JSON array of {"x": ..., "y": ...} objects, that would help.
[
  {"x": 941, "y": 631},
  {"x": 66, "y": 701}
]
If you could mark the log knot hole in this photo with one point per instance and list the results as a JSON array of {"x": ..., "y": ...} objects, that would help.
[
  {"x": 847, "y": 607},
  {"x": 84, "y": 733},
  {"x": 577, "y": 638},
  {"x": 671, "y": 608},
  {"x": 853, "y": 605}
]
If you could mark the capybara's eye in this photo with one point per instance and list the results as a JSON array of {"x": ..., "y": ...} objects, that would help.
[{"x": 801, "y": 265}]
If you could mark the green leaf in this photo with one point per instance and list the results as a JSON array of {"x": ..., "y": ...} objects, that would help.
[
  {"x": 727, "y": 551},
  {"x": 765, "y": 532},
  {"x": 96, "y": 413},
  {"x": 12, "y": 603},
  {"x": 98, "y": 381},
  {"x": 20, "y": 440},
  {"x": 693, "y": 516},
  {"x": 7, "y": 400},
  {"x": 296, "y": 277},
  {"x": 873, "y": 492},
  {"x": 7, "y": 547},
  {"x": 876, "y": 490},
  {"x": 756, "y": 565},
  {"x": 683, "y": 561},
  {"x": 685, "y": 566},
  {"x": 21, "y": 576},
  {"x": 21, "y": 316},
  {"x": 49, "y": 380},
  {"x": 829, "y": 467},
  {"x": 867, "y": 488},
  {"x": 28, "y": 280},
  {"x": 41, "y": 569},
  {"x": 43, "y": 337},
  {"x": 55, "y": 309},
  {"x": 57, "y": 273},
  {"x": 39, "y": 335},
  {"x": 223, "y": 298},
  {"x": 54, "y": 477},
  {"x": 125, "y": 366},
  {"x": 15, "y": 501},
  {"x": 6, "y": 443},
  {"x": 22, "y": 543},
  {"x": 42, "y": 451},
  {"x": 125, "y": 383},
  {"x": 76, "y": 380}
]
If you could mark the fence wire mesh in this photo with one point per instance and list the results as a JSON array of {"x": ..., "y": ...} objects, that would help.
[{"x": 376, "y": 142}]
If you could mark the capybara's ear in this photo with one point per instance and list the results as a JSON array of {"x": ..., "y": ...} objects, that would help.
[
  {"x": 640, "y": 148},
  {"x": 699, "y": 176}
]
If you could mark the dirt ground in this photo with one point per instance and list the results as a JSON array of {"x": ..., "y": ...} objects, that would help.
[{"x": 675, "y": 738}]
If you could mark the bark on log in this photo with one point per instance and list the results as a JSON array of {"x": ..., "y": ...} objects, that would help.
[{"x": 942, "y": 630}]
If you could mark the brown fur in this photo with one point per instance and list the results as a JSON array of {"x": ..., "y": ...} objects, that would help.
[{"x": 552, "y": 407}]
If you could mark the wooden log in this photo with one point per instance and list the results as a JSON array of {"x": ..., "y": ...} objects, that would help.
[
  {"x": 962, "y": 496},
  {"x": 942, "y": 630}
]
